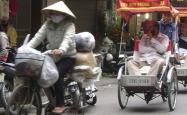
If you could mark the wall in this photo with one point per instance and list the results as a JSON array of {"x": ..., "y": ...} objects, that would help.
[
  {"x": 85, "y": 11},
  {"x": 51, "y": 1}
]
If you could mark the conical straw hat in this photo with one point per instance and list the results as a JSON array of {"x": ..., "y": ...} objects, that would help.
[{"x": 59, "y": 7}]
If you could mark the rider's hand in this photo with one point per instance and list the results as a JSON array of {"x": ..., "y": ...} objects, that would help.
[{"x": 57, "y": 52}]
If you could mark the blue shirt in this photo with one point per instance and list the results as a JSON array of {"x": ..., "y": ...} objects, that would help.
[{"x": 167, "y": 29}]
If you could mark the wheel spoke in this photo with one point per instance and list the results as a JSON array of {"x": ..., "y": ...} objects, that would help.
[
  {"x": 122, "y": 96},
  {"x": 28, "y": 103}
]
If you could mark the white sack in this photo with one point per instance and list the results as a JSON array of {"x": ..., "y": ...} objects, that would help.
[
  {"x": 32, "y": 63},
  {"x": 85, "y": 42}
]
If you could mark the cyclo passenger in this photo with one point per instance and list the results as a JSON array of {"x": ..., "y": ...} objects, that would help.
[
  {"x": 59, "y": 31},
  {"x": 152, "y": 46},
  {"x": 182, "y": 51}
]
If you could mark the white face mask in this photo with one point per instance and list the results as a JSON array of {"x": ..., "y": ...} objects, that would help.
[{"x": 57, "y": 19}]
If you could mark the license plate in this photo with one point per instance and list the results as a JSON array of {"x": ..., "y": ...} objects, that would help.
[
  {"x": 139, "y": 80},
  {"x": 2, "y": 75},
  {"x": 181, "y": 72}
]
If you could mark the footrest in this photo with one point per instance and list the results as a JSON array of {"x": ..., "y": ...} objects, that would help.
[{"x": 181, "y": 71}]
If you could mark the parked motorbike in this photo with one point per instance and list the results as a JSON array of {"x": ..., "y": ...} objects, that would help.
[{"x": 109, "y": 62}]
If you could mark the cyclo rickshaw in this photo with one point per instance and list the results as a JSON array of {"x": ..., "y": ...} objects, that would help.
[
  {"x": 165, "y": 85},
  {"x": 181, "y": 67}
]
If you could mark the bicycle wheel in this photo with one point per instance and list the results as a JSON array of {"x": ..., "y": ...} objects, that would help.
[
  {"x": 172, "y": 89},
  {"x": 5, "y": 92},
  {"x": 92, "y": 101},
  {"x": 122, "y": 96},
  {"x": 24, "y": 101}
]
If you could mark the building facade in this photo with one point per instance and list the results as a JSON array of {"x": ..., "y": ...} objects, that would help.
[{"x": 29, "y": 18}]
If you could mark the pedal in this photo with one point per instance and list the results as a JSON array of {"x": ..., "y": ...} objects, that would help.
[{"x": 84, "y": 106}]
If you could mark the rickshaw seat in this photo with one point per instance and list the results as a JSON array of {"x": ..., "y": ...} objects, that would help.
[{"x": 145, "y": 69}]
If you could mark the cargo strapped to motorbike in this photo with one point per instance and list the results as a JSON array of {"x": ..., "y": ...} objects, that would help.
[
  {"x": 32, "y": 64},
  {"x": 129, "y": 85}
]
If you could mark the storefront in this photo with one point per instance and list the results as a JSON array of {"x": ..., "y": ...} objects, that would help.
[{"x": 4, "y": 8}]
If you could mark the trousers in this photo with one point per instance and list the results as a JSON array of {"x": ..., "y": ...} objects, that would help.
[
  {"x": 64, "y": 65},
  {"x": 134, "y": 66}
]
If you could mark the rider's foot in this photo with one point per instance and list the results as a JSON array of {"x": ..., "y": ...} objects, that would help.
[{"x": 59, "y": 110}]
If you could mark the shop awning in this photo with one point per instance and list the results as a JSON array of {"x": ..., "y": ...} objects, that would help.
[
  {"x": 182, "y": 11},
  {"x": 126, "y": 8}
]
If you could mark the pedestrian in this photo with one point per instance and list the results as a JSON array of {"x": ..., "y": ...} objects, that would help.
[
  {"x": 59, "y": 30},
  {"x": 10, "y": 31},
  {"x": 182, "y": 44},
  {"x": 152, "y": 46},
  {"x": 167, "y": 26},
  {"x": 4, "y": 43}
]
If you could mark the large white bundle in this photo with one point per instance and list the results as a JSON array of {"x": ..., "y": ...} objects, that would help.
[
  {"x": 85, "y": 42},
  {"x": 31, "y": 63}
]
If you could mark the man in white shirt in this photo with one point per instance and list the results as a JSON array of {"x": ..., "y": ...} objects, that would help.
[
  {"x": 152, "y": 46},
  {"x": 182, "y": 51}
]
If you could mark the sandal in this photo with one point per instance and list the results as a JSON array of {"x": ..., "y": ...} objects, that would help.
[{"x": 58, "y": 110}]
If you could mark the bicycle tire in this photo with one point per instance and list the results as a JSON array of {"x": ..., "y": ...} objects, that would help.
[
  {"x": 122, "y": 96},
  {"x": 5, "y": 90},
  {"x": 172, "y": 88},
  {"x": 16, "y": 106}
]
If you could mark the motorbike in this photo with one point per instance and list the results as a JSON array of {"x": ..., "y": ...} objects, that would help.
[
  {"x": 109, "y": 61},
  {"x": 6, "y": 77},
  {"x": 79, "y": 89}
]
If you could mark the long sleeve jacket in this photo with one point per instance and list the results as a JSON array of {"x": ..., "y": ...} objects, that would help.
[
  {"x": 152, "y": 49},
  {"x": 59, "y": 36}
]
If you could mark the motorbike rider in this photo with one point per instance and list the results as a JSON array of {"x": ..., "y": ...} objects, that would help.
[
  {"x": 59, "y": 30},
  {"x": 4, "y": 43}
]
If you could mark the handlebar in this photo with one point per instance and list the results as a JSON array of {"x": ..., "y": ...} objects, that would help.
[
  {"x": 7, "y": 64},
  {"x": 12, "y": 49},
  {"x": 48, "y": 52}
]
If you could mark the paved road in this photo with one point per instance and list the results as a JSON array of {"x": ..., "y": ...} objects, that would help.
[{"x": 108, "y": 103}]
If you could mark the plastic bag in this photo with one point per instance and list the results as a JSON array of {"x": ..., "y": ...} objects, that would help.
[
  {"x": 49, "y": 74},
  {"x": 32, "y": 63},
  {"x": 85, "y": 42},
  {"x": 28, "y": 62}
]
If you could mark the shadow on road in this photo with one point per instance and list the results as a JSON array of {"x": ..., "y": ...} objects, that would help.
[
  {"x": 2, "y": 113},
  {"x": 182, "y": 91},
  {"x": 153, "y": 107},
  {"x": 145, "y": 110}
]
